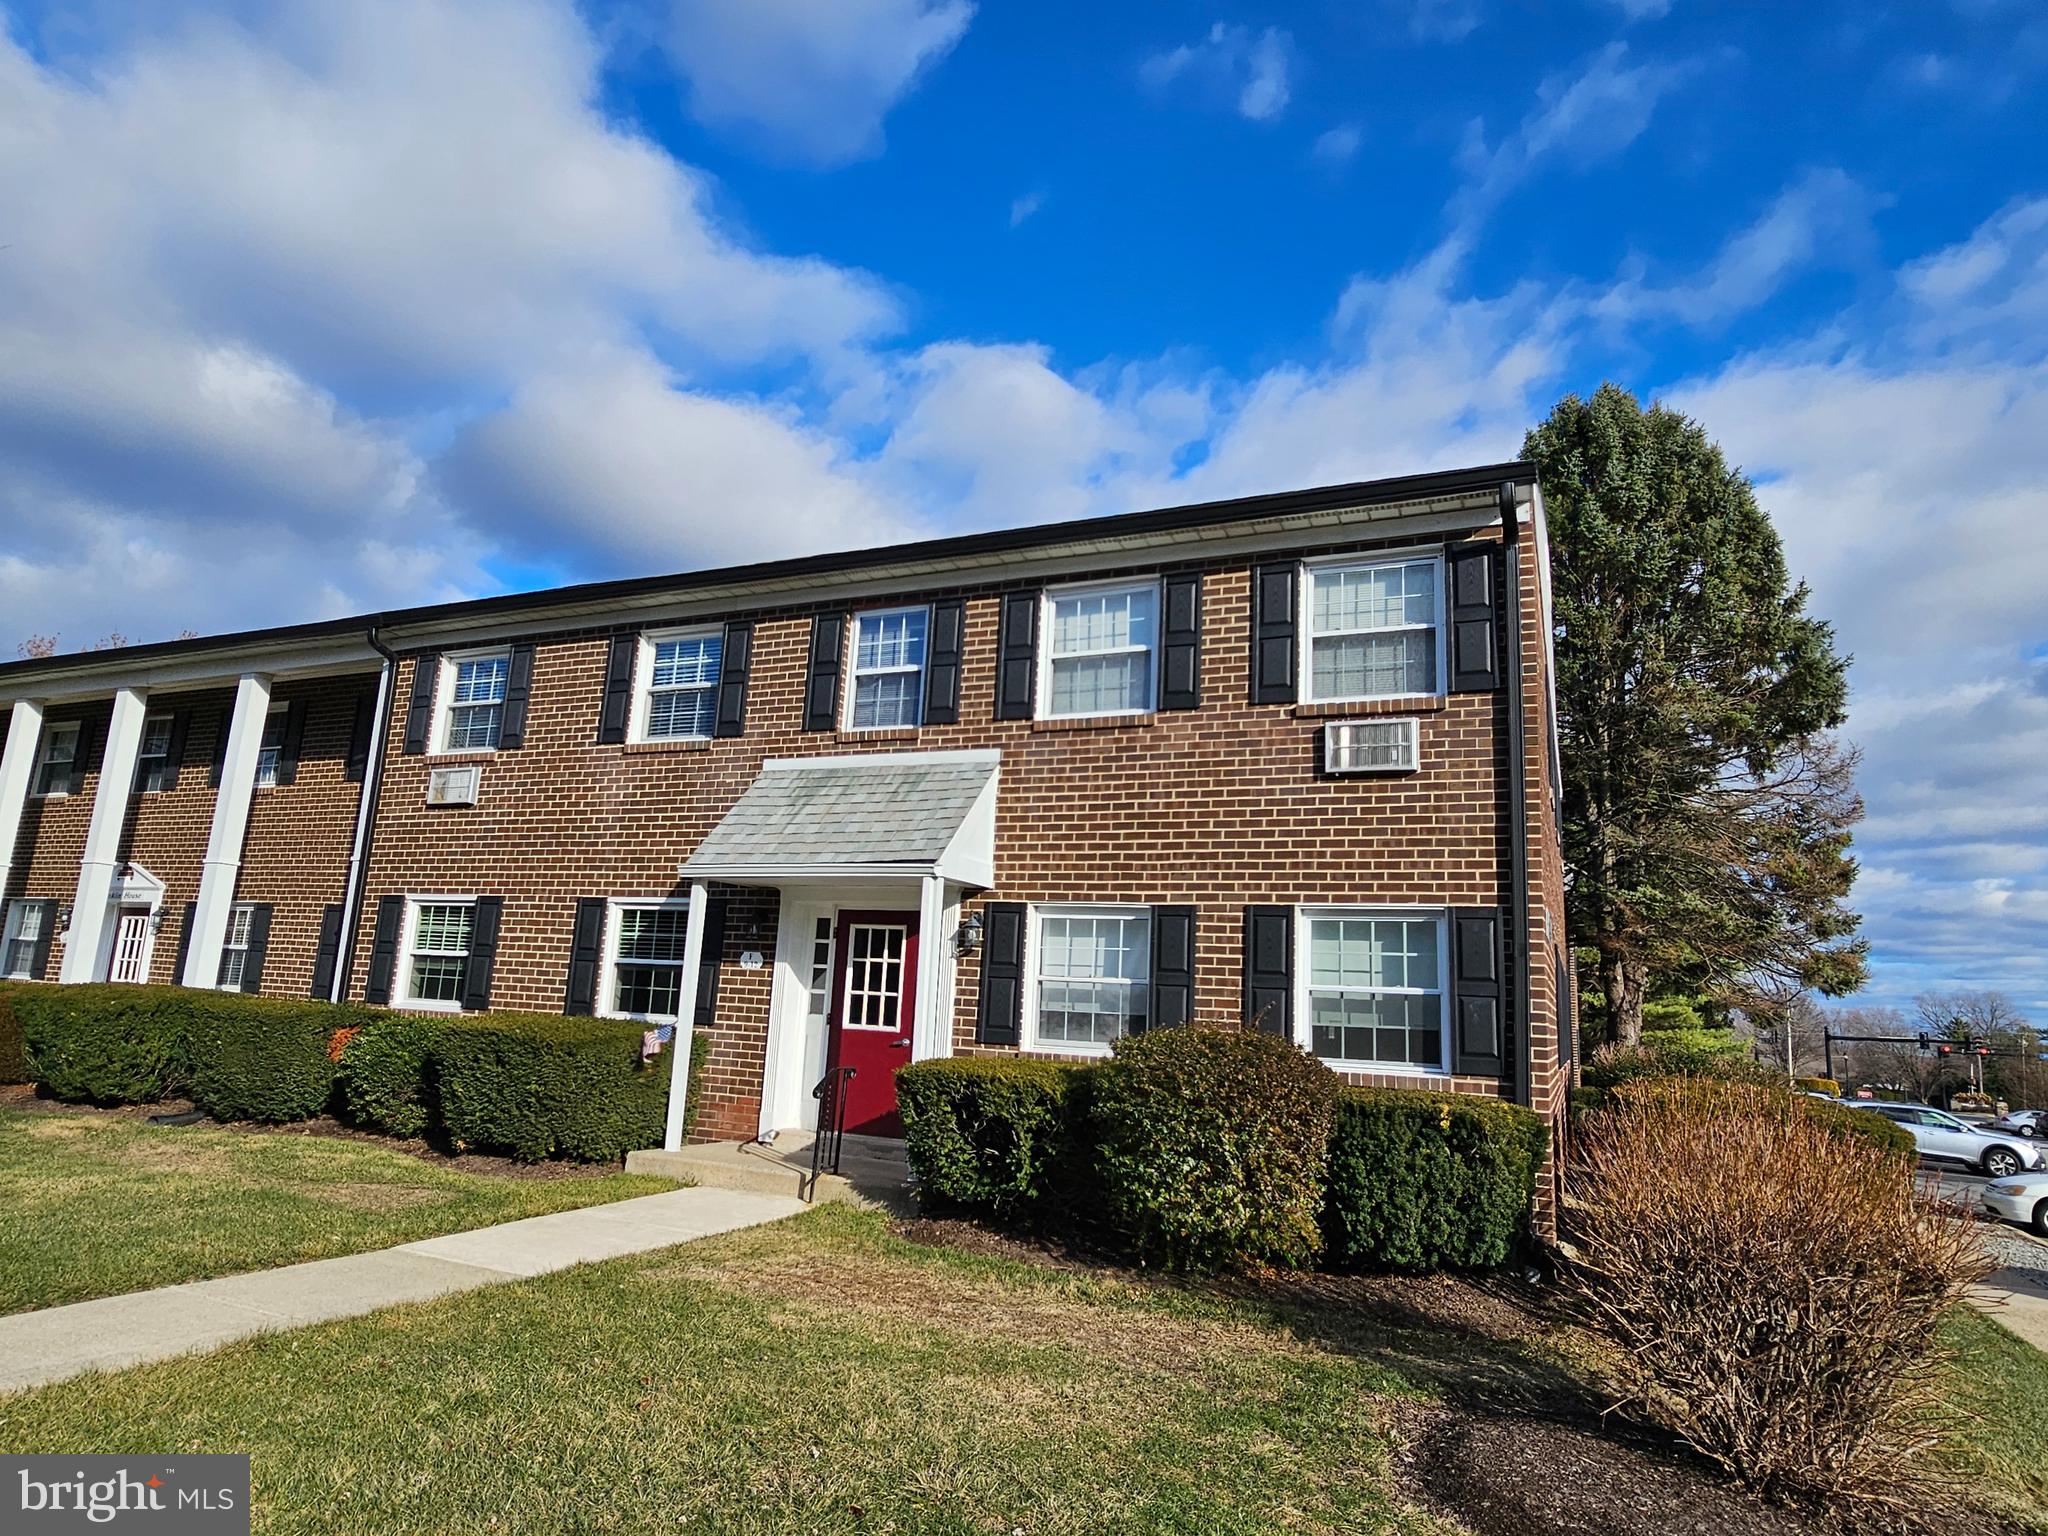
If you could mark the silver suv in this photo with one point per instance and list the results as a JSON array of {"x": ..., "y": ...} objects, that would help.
[{"x": 1941, "y": 1137}]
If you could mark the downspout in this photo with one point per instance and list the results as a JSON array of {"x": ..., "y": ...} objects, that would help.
[
  {"x": 366, "y": 817},
  {"x": 1518, "y": 791}
]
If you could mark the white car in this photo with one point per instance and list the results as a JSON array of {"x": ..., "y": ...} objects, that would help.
[
  {"x": 1942, "y": 1138},
  {"x": 2022, "y": 1198}
]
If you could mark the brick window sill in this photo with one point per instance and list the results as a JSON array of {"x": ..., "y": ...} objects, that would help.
[
  {"x": 663, "y": 748},
  {"x": 1097, "y": 723},
  {"x": 1365, "y": 708},
  {"x": 899, "y": 733}
]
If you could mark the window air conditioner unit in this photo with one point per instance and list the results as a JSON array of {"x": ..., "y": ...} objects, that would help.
[
  {"x": 454, "y": 786},
  {"x": 1371, "y": 746}
]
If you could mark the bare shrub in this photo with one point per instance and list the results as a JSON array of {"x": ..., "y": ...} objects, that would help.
[{"x": 1773, "y": 1286}]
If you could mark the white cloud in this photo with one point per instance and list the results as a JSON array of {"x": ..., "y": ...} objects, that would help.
[
  {"x": 1248, "y": 70},
  {"x": 1024, "y": 207},
  {"x": 813, "y": 78},
  {"x": 1442, "y": 21},
  {"x": 1641, "y": 10},
  {"x": 1336, "y": 147}
]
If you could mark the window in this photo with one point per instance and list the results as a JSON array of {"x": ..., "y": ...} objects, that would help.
[
  {"x": 437, "y": 958},
  {"x": 1371, "y": 746},
  {"x": 1372, "y": 630},
  {"x": 60, "y": 755},
  {"x": 645, "y": 962},
  {"x": 1375, "y": 986},
  {"x": 24, "y": 932},
  {"x": 272, "y": 745},
  {"x": 1100, "y": 645},
  {"x": 1091, "y": 977},
  {"x": 475, "y": 689},
  {"x": 680, "y": 699},
  {"x": 153, "y": 760},
  {"x": 888, "y": 669},
  {"x": 234, "y": 949}
]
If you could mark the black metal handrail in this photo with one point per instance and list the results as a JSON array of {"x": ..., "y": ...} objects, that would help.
[{"x": 831, "y": 1096}]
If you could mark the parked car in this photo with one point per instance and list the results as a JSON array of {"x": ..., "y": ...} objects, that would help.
[
  {"x": 2021, "y": 1122},
  {"x": 1941, "y": 1137},
  {"x": 2022, "y": 1198}
]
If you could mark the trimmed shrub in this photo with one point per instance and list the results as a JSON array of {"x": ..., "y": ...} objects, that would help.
[
  {"x": 1772, "y": 1288},
  {"x": 1886, "y": 1135},
  {"x": 1694, "y": 1052},
  {"x": 1422, "y": 1181},
  {"x": 1826, "y": 1085},
  {"x": 261, "y": 1058},
  {"x": 385, "y": 1079},
  {"x": 106, "y": 1044},
  {"x": 13, "y": 1054},
  {"x": 533, "y": 1085},
  {"x": 1212, "y": 1145},
  {"x": 991, "y": 1134}
]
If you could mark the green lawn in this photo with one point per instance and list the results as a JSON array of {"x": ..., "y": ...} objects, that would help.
[
  {"x": 2002, "y": 1384},
  {"x": 96, "y": 1205}
]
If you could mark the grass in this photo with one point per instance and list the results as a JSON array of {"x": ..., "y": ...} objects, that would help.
[
  {"x": 2002, "y": 1384},
  {"x": 99, "y": 1205}
]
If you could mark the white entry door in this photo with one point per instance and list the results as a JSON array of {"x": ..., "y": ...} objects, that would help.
[{"x": 131, "y": 946}]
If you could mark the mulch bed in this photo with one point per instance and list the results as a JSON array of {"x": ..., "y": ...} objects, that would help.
[{"x": 24, "y": 1096}]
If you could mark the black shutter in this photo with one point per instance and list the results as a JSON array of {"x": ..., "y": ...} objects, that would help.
[
  {"x": 328, "y": 952},
  {"x": 586, "y": 951},
  {"x": 419, "y": 714},
  {"x": 359, "y": 731},
  {"x": 828, "y": 656},
  {"x": 518, "y": 692},
  {"x": 1475, "y": 651},
  {"x": 384, "y": 949},
  {"x": 1565, "y": 1027},
  {"x": 1274, "y": 647},
  {"x": 174, "y": 752},
  {"x": 943, "y": 649},
  {"x": 1180, "y": 643},
  {"x": 735, "y": 656},
  {"x": 39, "y": 961},
  {"x": 294, "y": 739},
  {"x": 618, "y": 690},
  {"x": 1002, "y": 973},
  {"x": 1017, "y": 657},
  {"x": 185, "y": 943},
  {"x": 1269, "y": 970},
  {"x": 1477, "y": 1036},
  {"x": 259, "y": 947},
  {"x": 225, "y": 719},
  {"x": 483, "y": 953},
  {"x": 708, "y": 961},
  {"x": 92, "y": 740},
  {"x": 1173, "y": 967}
]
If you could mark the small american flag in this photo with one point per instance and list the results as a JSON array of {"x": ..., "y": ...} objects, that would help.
[{"x": 652, "y": 1040}]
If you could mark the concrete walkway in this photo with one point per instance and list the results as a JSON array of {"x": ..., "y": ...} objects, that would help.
[
  {"x": 118, "y": 1331},
  {"x": 2017, "y": 1298}
]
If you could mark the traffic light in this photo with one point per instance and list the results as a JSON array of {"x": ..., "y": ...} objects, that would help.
[
  {"x": 1947, "y": 1049},
  {"x": 1923, "y": 1047}
]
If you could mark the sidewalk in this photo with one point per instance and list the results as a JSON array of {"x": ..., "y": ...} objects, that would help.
[
  {"x": 118, "y": 1331},
  {"x": 2017, "y": 1298}
]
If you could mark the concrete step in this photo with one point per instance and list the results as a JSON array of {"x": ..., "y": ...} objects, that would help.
[{"x": 872, "y": 1169}]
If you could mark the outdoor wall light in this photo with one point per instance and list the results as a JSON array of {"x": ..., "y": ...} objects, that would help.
[{"x": 968, "y": 939}]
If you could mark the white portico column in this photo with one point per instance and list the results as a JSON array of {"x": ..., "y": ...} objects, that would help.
[
  {"x": 224, "y": 841},
  {"x": 686, "y": 1012},
  {"x": 934, "y": 954},
  {"x": 17, "y": 768},
  {"x": 103, "y": 836}
]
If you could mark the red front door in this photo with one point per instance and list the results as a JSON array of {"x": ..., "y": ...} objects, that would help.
[{"x": 874, "y": 992}]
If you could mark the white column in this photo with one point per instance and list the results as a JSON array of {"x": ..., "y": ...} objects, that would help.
[
  {"x": 934, "y": 955},
  {"x": 17, "y": 769},
  {"x": 224, "y": 840},
  {"x": 103, "y": 836},
  {"x": 686, "y": 1011}
]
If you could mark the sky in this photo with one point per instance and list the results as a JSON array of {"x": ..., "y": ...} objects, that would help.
[{"x": 311, "y": 307}]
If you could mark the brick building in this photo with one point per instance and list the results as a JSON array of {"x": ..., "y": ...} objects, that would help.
[{"x": 1288, "y": 760}]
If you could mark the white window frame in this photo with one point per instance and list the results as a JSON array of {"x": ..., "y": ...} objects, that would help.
[
  {"x": 1304, "y": 1029},
  {"x": 1046, "y": 603},
  {"x": 402, "y": 983},
  {"x": 144, "y": 757},
  {"x": 608, "y": 974},
  {"x": 1033, "y": 948},
  {"x": 643, "y": 680},
  {"x": 17, "y": 913},
  {"x": 276, "y": 713},
  {"x": 241, "y": 915},
  {"x": 1306, "y": 636},
  {"x": 852, "y": 671},
  {"x": 75, "y": 729},
  {"x": 444, "y": 704}
]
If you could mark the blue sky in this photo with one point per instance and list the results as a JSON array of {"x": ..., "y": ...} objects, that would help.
[{"x": 320, "y": 306}]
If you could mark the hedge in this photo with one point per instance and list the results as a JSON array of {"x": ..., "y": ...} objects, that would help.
[
  {"x": 262, "y": 1058},
  {"x": 386, "y": 1078},
  {"x": 107, "y": 1044},
  {"x": 989, "y": 1133},
  {"x": 1421, "y": 1180},
  {"x": 13, "y": 1054},
  {"x": 534, "y": 1085}
]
